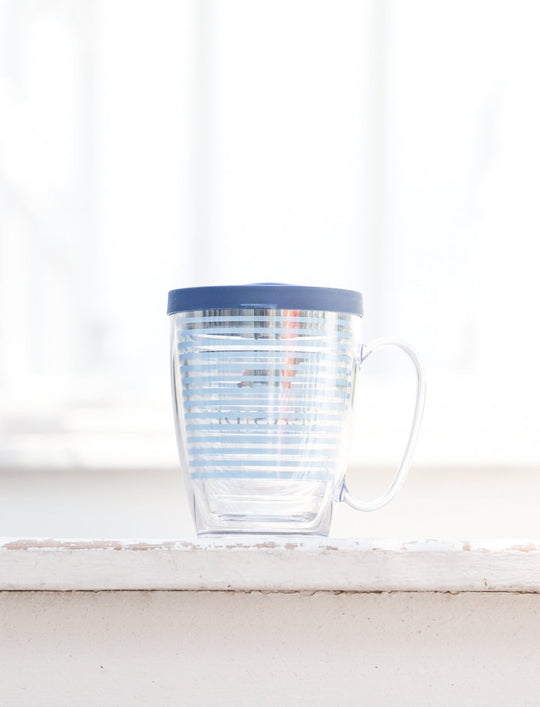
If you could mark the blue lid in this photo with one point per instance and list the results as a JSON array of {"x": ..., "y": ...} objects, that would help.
[{"x": 265, "y": 296}]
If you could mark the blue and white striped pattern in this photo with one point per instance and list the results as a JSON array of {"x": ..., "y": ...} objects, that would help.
[{"x": 263, "y": 394}]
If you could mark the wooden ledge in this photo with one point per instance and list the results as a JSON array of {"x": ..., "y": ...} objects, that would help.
[{"x": 264, "y": 563}]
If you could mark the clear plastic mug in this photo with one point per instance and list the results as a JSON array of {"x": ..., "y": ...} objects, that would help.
[{"x": 263, "y": 382}]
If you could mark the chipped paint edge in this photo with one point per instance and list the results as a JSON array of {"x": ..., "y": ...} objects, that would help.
[
  {"x": 251, "y": 543},
  {"x": 263, "y": 563}
]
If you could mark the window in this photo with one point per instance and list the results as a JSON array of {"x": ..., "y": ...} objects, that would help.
[{"x": 381, "y": 146}]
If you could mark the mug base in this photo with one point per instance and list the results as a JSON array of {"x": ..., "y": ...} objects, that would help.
[{"x": 220, "y": 509}]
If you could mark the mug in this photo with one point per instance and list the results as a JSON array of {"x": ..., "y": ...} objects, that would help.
[{"x": 263, "y": 384}]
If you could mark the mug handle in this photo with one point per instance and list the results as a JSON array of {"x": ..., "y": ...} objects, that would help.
[{"x": 403, "y": 468}]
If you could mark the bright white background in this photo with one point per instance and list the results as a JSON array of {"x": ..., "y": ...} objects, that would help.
[
  {"x": 382, "y": 146},
  {"x": 387, "y": 146}
]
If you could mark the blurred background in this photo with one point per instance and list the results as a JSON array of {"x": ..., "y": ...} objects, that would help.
[{"x": 387, "y": 147}]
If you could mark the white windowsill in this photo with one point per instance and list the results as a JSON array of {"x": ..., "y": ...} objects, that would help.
[{"x": 265, "y": 563}]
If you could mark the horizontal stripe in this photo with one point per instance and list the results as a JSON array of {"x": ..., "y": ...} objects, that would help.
[
  {"x": 228, "y": 447},
  {"x": 263, "y": 330},
  {"x": 242, "y": 414},
  {"x": 217, "y": 410},
  {"x": 255, "y": 462},
  {"x": 282, "y": 332},
  {"x": 309, "y": 476},
  {"x": 249, "y": 428},
  {"x": 273, "y": 417},
  {"x": 307, "y": 426},
  {"x": 254, "y": 384},
  {"x": 259, "y": 397},
  {"x": 328, "y": 317},
  {"x": 251, "y": 352},
  {"x": 287, "y": 344},
  {"x": 306, "y": 453},
  {"x": 266, "y": 321},
  {"x": 270, "y": 438},
  {"x": 273, "y": 388},
  {"x": 269, "y": 351},
  {"x": 297, "y": 416},
  {"x": 307, "y": 375},
  {"x": 307, "y": 450},
  {"x": 260, "y": 358},
  {"x": 284, "y": 397},
  {"x": 275, "y": 420},
  {"x": 272, "y": 367}
]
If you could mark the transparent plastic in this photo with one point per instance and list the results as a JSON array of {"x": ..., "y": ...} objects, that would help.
[{"x": 263, "y": 402}]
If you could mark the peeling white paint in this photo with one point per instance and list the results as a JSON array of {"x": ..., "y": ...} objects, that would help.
[{"x": 269, "y": 564}]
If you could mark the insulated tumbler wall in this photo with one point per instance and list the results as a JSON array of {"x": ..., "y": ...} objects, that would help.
[{"x": 263, "y": 382}]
